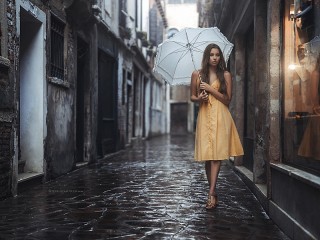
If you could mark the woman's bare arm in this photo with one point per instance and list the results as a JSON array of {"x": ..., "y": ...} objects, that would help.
[{"x": 193, "y": 89}]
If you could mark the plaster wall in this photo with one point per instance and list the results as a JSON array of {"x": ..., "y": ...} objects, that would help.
[{"x": 110, "y": 14}]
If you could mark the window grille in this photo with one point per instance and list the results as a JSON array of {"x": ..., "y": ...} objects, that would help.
[{"x": 57, "y": 48}]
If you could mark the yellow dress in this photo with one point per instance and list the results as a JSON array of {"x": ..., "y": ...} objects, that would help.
[
  {"x": 310, "y": 144},
  {"x": 216, "y": 135}
]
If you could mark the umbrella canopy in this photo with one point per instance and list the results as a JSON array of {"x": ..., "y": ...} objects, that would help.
[{"x": 180, "y": 55}]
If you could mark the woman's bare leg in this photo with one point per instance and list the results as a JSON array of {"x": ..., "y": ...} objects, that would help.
[
  {"x": 214, "y": 172},
  {"x": 208, "y": 170}
]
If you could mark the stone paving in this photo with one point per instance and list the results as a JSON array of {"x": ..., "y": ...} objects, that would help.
[{"x": 151, "y": 191}]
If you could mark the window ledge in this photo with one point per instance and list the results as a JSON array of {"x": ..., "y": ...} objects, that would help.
[
  {"x": 5, "y": 62},
  {"x": 246, "y": 172},
  {"x": 157, "y": 109},
  {"x": 59, "y": 82},
  {"x": 301, "y": 175}
]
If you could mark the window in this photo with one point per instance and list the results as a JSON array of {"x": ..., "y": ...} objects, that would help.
[
  {"x": 301, "y": 68},
  {"x": 57, "y": 48}
]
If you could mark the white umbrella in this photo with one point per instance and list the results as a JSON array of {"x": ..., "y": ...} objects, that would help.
[{"x": 180, "y": 55}]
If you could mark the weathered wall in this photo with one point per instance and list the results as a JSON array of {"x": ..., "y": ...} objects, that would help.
[
  {"x": 60, "y": 152},
  {"x": 7, "y": 86},
  {"x": 261, "y": 138},
  {"x": 238, "y": 89},
  {"x": 60, "y": 141}
]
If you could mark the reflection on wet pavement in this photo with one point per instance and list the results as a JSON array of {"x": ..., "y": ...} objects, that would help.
[{"x": 153, "y": 190}]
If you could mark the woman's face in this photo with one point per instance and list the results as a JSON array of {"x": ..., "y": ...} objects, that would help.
[{"x": 214, "y": 57}]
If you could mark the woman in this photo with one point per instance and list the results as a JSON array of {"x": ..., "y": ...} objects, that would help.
[{"x": 216, "y": 135}]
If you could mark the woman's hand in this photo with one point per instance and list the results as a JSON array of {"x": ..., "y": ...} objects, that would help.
[
  {"x": 203, "y": 96},
  {"x": 205, "y": 86}
]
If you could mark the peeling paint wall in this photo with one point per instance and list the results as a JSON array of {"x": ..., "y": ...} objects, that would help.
[{"x": 61, "y": 138}]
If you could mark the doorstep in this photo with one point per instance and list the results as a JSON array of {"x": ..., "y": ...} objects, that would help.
[
  {"x": 27, "y": 181},
  {"x": 28, "y": 176}
]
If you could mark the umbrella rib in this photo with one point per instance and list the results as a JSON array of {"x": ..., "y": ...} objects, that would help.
[
  {"x": 174, "y": 71},
  {"x": 169, "y": 54},
  {"x": 189, "y": 48}
]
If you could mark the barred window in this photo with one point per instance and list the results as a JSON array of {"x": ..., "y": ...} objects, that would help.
[{"x": 57, "y": 48}]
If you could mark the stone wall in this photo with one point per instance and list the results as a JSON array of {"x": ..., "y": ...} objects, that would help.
[
  {"x": 7, "y": 87},
  {"x": 5, "y": 156}
]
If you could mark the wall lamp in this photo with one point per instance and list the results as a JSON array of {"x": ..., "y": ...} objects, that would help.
[{"x": 292, "y": 12}]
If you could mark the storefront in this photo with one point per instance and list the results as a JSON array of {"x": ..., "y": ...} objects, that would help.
[
  {"x": 301, "y": 89},
  {"x": 275, "y": 68},
  {"x": 295, "y": 181}
]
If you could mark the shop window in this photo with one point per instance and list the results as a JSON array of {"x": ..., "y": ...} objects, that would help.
[
  {"x": 57, "y": 48},
  {"x": 301, "y": 67}
]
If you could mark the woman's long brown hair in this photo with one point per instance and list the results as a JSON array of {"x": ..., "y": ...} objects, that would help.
[{"x": 221, "y": 68}]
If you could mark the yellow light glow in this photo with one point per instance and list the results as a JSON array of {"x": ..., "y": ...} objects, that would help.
[{"x": 292, "y": 66}]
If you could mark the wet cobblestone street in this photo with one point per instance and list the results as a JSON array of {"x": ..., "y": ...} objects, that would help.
[{"x": 154, "y": 190}]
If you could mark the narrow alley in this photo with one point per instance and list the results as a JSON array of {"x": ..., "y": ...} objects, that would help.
[{"x": 153, "y": 190}]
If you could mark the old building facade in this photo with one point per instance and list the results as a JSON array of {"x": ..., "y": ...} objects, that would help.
[
  {"x": 76, "y": 84},
  {"x": 275, "y": 68}
]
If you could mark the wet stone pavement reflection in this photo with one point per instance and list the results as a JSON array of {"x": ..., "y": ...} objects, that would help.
[{"x": 153, "y": 190}]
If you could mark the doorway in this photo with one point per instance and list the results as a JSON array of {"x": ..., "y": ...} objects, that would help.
[
  {"x": 32, "y": 92},
  {"x": 83, "y": 76},
  {"x": 107, "y": 138},
  {"x": 179, "y": 118}
]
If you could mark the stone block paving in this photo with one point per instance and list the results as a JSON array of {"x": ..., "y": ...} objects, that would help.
[{"x": 154, "y": 190}]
